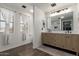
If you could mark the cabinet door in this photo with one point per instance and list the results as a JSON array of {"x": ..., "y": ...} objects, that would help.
[
  {"x": 57, "y": 40},
  {"x": 73, "y": 42},
  {"x": 48, "y": 38},
  {"x": 60, "y": 40},
  {"x": 70, "y": 42},
  {"x": 76, "y": 43},
  {"x": 63, "y": 41},
  {"x": 44, "y": 38},
  {"x": 52, "y": 39}
]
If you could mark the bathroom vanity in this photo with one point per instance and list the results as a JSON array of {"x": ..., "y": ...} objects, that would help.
[
  {"x": 60, "y": 32},
  {"x": 61, "y": 40}
]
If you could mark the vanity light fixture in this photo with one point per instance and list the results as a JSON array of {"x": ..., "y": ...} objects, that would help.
[{"x": 66, "y": 10}]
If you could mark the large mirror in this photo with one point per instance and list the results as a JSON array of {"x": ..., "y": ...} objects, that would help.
[{"x": 62, "y": 22}]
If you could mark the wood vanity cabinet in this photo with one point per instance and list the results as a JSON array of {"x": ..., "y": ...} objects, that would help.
[{"x": 66, "y": 41}]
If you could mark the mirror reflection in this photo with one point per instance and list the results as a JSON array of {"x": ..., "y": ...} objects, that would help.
[{"x": 61, "y": 22}]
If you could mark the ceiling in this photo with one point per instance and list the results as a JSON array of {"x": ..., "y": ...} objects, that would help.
[
  {"x": 46, "y": 7},
  {"x": 17, "y": 7}
]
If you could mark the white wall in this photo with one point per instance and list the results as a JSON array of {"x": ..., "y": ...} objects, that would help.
[
  {"x": 76, "y": 19},
  {"x": 37, "y": 21}
]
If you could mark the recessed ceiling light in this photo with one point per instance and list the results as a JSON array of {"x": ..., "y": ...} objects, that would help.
[
  {"x": 53, "y": 4},
  {"x": 23, "y": 6}
]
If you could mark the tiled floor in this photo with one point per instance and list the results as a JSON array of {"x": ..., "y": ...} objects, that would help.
[
  {"x": 54, "y": 52},
  {"x": 25, "y": 50}
]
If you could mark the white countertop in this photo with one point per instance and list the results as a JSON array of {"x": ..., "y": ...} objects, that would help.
[{"x": 61, "y": 32}]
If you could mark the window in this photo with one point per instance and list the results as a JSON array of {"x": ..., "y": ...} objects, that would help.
[
  {"x": 21, "y": 24},
  {"x": 3, "y": 16},
  {"x": 21, "y": 27},
  {"x": 6, "y": 20},
  {"x": 11, "y": 26},
  {"x": 2, "y": 26},
  {"x": 2, "y": 22},
  {"x": 11, "y": 22}
]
